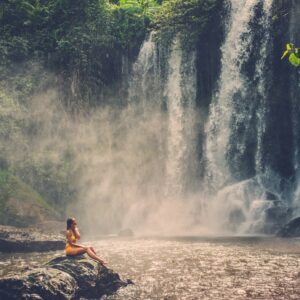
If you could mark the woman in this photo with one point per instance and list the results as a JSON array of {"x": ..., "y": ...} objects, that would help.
[{"x": 73, "y": 249}]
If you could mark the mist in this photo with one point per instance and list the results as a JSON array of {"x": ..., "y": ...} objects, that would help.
[{"x": 118, "y": 159}]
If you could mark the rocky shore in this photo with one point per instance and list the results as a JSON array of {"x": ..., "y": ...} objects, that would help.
[
  {"x": 62, "y": 278},
  {"x": 13, "y": 239}
]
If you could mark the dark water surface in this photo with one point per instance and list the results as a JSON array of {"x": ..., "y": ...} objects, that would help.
[{"x": 193, "y": 267}]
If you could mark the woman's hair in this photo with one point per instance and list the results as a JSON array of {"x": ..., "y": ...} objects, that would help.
[{"x": 69, "y": 223}]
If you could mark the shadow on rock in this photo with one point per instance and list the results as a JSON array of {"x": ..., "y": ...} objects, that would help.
[{"x": 62, "y": 278}]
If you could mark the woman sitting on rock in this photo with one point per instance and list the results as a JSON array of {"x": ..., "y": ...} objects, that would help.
[{"x": 73, "y": 249}]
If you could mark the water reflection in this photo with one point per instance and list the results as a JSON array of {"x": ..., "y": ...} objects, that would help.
[{"x": 193, "y": 267}]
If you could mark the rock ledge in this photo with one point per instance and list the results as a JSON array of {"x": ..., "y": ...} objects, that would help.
[
  {"x": 13, "y": 239},
  {"x": 62, "y": 278}
]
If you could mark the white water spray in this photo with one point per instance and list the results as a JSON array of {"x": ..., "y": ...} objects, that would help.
[
  {"x": 144, "y": 82},
  {"x": 239, "y": 207},
  {"x": 235, "y": 52},
  {"x": 295, "y": 90},
  {"x": 180, "y": 92},
  {"x": 260, "y": 71}
]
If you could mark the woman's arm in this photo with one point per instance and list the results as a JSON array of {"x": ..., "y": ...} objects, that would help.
[
  {"x": 76, "y": 233},
  {"x": 69, "y": 240}
]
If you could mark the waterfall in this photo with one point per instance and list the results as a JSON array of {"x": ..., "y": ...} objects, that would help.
[
  {"x": 231, "y": 127},
  {"x": 144, "y": 85},
  {"x": 295, "y": 91},
  {"x": 242, "y": 173},
  {"x": 160, "y": 131},
  {"x": 180, "y": 92},
  {"x": 175, "y": 110},
  {"x": 232, "y": 87},
  {"x": 237, "y": 122},
  {"x": 146, "y": 90},
  {"x": 260, "y": 72}
]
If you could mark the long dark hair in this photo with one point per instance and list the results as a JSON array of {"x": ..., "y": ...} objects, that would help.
[{"x": 69, "y": 223}]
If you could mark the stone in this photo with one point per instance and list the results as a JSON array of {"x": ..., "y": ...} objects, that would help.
[
  {"x": 276, "y": 216},
  {"x": 291, "y": 229},
  {"x": 13, "y": 239},
  {"x": 62, "y": 278}
]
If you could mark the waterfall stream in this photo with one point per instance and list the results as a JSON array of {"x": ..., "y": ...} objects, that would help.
[
  {"x": 295, "y": 90},
  {"x": 180, "y": 92},
  {"x": 221, "y": 170},
  {"x": 260, "y": 77},
  {"x": 176, "y": 143},
  {"x": 232, "y": 88},
  {"x": 236, "y": 126},
  {"x": 144, "y": 85},
  {"x": 168, "y": 106},
  {"x": 237, "y": 123}
]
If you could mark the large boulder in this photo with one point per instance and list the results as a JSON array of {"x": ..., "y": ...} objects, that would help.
[
  {"x": 28, "y": 239},
  {"x": 291, "y": 229},
  {"x": 62, "y": 278}
]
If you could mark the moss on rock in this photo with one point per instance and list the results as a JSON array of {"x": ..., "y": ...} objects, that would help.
[{"x": 20, "y": 205}]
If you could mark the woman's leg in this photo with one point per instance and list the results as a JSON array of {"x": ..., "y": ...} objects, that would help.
[
  {"x": 73, "y": 251},
  {"x": 92, "y": 254},
  {"x": 93, "y": 250}
]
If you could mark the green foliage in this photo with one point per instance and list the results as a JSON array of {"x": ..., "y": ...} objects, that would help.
[
  {"x": 68, "y": 37},
  {"x": 129, "y": 28},
  {"x": 19, "y": 203},
  {"x": 10, "y": 121},
  {"x": 53, "y": 180},
  {"x": 188, "y": 17},
  {"x": 146, "y": 8}
]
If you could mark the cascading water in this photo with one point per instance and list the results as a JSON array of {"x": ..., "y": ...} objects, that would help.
[
  {"x": 161, "y": 99},
  {"x": 232, "y": 87},
  {"x": 236, "y": 124},
  {"x": 144, "y": 84},
  {"x": 229, "y": 176},
  {"x": 176, "y": 145},
  {"x": 260, "y": 72},
  {"x": 295, "y": 91},
  {"x": 180, "y": 94}
]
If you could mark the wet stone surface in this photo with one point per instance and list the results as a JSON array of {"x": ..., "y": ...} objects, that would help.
[
  {"x": 61, "y": 278},
  {"x": 14, "y": 239}
]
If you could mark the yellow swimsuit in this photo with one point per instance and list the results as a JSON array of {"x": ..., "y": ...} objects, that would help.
[{"x": 71, "y": 250}]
